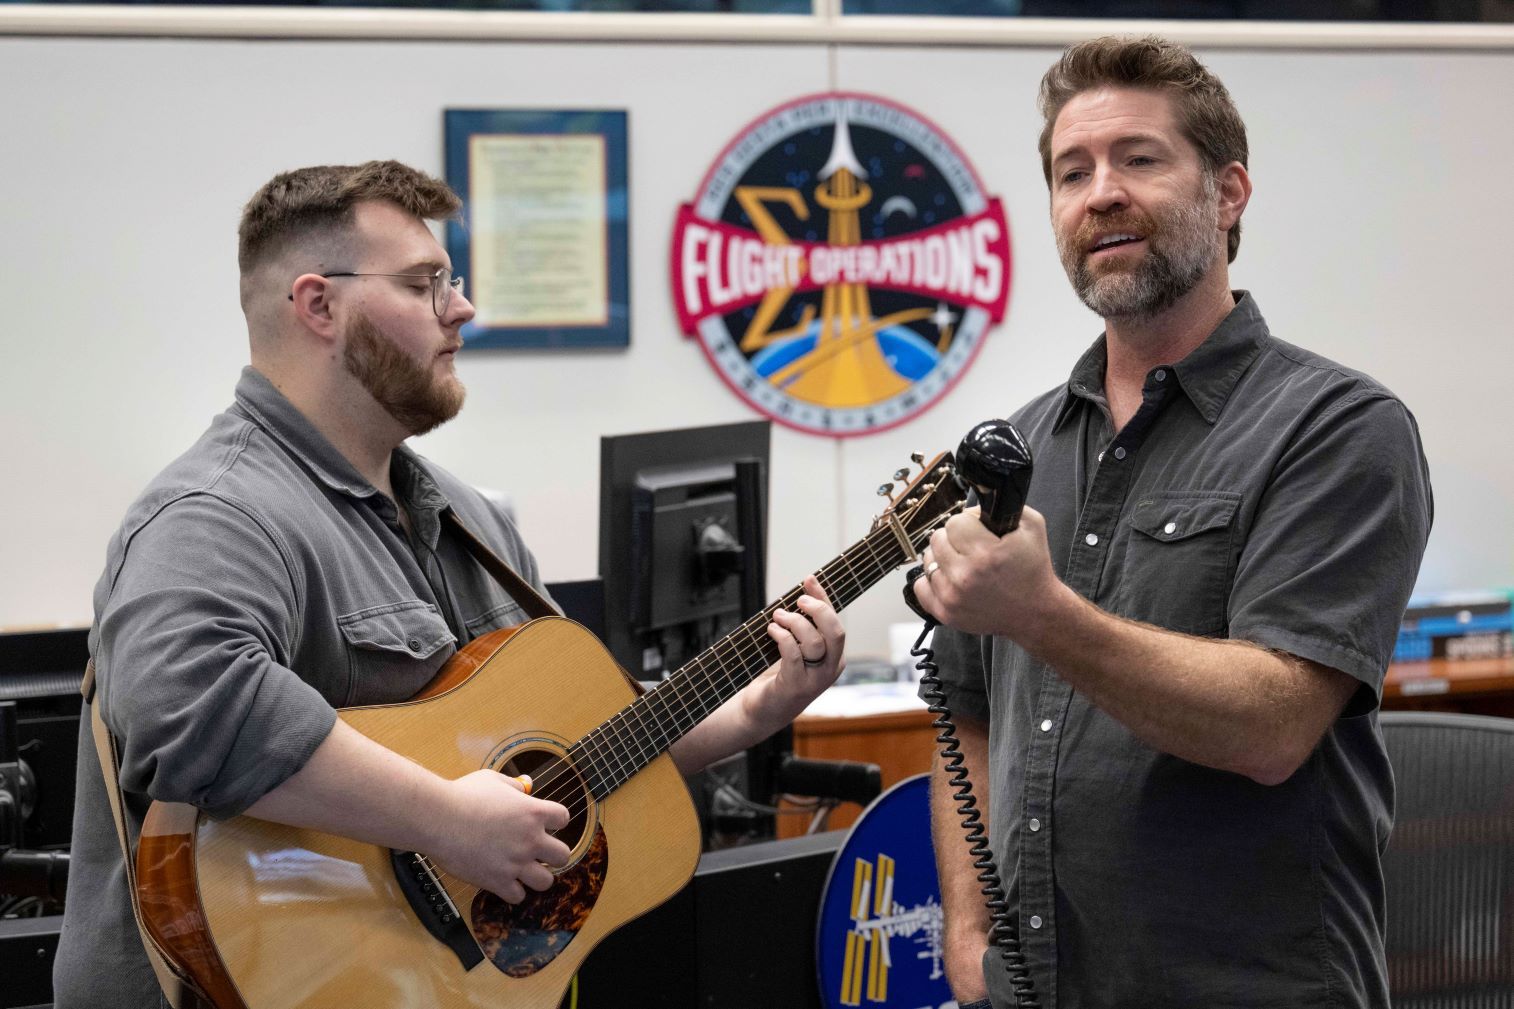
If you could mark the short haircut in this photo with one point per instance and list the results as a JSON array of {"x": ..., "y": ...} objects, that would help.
[
  {"x": 1205, "y": 112},
  {"x": 319, "y": 202}
]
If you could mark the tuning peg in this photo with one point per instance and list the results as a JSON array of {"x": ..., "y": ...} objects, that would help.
[
  {"x": 918, "y": 458},
  {"x": 902, "y": 474},
  {"x": 885, "y": 490}
]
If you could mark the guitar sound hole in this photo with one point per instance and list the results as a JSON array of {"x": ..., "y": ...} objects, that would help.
[{"x": 553, "y": 778}]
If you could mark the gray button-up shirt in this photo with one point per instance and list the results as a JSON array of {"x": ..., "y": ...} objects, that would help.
[
  {"x": 1263, "y": 493},
  {"x": 256, "y": 585}
]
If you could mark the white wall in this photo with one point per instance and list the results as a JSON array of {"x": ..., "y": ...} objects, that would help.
[{"x": 1377, "y": 236}]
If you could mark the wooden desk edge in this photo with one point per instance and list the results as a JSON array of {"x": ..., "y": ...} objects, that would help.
[
  {"x": 1455, "y": 676},
  {"x": 882, "y": 721}
]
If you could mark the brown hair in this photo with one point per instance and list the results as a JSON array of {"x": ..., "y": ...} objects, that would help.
[
  {"x": 303, "y": 203},
  {"x": 1205, "y": 112}
]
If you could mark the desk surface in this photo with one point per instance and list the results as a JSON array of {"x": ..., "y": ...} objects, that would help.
[{"x": 1449, "y": 676}]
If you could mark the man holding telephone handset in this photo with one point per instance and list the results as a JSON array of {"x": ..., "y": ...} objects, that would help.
[{"x": 1166, "y": 679}]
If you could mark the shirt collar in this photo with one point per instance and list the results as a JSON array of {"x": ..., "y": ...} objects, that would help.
[
  {"x": 261, "y": 401},
  {"x": 1086, "y": 382},
  {"x": 1208, "y": 375},
  {"x": 423, "y": 499}
]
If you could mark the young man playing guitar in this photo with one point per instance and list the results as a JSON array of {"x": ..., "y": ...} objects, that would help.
[{"x": 299, "y": 558}]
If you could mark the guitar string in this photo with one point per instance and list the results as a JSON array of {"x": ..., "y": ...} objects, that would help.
[
  {"x": 685, "y": 684},
  {"x": 702, "y": 674},
  {"x": 686, "y": 681},
  {"x": 851, "y": 584},
  {"x": 561, "y": 771},
  {"x": 680, "y": 687},
  {"x": 561, "y": 768}
]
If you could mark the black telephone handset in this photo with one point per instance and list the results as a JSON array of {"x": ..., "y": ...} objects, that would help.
[{"x": 995, "y": 462}]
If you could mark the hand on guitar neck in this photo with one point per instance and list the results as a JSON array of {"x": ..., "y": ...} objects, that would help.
[{"x": 810, "y": 644}]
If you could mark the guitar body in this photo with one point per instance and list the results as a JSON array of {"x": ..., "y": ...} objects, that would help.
[{"x": 264, "y": 916}]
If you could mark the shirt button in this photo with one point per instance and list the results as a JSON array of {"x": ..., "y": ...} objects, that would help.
[
  {"x": 1170, "y": 528},
  {"x": 1092, "y": 539},
  {"x": 1035, "y": 825},
  {"x": 1161, "y": 375},
  {"x": 1035, "y": 921},
  {"x": 1119, "y": 453},
  {"x": 1046, "y": 725},
  {"x": 415, "y": 644}
]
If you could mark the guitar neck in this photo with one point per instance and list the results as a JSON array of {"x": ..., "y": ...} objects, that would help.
[{"x": 612, "y": 753}]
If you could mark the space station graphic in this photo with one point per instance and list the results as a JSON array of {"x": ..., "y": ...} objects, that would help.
[
  {"x": 877, "y": 918},
  {"x": 841, "y": 264}
]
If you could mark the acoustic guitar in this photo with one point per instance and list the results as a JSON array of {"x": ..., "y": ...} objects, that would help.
[{"x": 257, "y": 915}]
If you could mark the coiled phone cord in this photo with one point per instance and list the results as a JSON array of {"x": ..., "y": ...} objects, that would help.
[
  {"x": 994, "y": 462},
  {"x": 1002, "y": 933}
]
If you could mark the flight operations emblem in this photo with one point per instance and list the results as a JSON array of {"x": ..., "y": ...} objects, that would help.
[{"x": 841, "y": 264}]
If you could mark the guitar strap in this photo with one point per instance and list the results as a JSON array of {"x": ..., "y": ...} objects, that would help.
[
  {"x": 178, "y": 989},
  {"x": 514, "y": 585}
]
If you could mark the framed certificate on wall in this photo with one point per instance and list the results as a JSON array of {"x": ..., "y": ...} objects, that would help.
[{"x": 542, "y": 241}]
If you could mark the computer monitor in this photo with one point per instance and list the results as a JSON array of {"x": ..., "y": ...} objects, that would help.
[
  {"x": 40, "y": 672},
  {"x": 682, "y": 540},
  {"x": 682, "y": 551}
]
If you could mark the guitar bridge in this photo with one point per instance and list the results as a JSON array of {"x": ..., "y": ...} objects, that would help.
[{"x": 434, "y": 907}]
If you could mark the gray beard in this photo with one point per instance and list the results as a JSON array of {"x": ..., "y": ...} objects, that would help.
[{"x": 1178, "y": 255}]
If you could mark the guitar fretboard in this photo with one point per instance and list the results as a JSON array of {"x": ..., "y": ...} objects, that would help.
[{"x": 612, "y": 753}]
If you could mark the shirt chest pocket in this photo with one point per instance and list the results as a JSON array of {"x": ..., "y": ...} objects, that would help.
[
  {"x": 394, "y": 650},
  {"x": 506, "y": 614},
  {"x": 1179, "y": 561}
]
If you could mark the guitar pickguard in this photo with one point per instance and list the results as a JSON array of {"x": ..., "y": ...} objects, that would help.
[{"x": 521, "y": 939}]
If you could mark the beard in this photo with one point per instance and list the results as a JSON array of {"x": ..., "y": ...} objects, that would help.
[
  {"x": 1181, "y": 244},
  {"x": 406, "y": 388}
]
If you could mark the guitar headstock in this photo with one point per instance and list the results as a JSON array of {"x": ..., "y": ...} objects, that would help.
[{"x": 934, "y": 495}]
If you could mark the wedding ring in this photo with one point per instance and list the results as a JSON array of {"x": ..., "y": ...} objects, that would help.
[
  {"x": 812, "y": 663},
  {"x": 931, "y": 568}
]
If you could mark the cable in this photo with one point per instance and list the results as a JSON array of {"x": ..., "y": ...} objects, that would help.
[
  {"x": 994, "y": 461},
  {"x": 729, "y": 792},
  {"x": 1003, "y": 933},
  {"x": 22, "y": 907}
]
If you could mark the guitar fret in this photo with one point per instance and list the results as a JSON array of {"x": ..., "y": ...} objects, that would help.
[
  {"x": 615, "y": 758},
  {"x": 610, "y": 754},
  {"x": 627, "y": 739},
  {"x": 643, "y": 746},
  {"x": 628, "y": 742},
  {"x": 587, "y": 768},
  {"x": 602, "y": 760},
  {"x": 690, "y": 718},
  {"x": 620, "y": 770}
]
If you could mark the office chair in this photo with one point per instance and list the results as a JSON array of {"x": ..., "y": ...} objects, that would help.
[{"x": 1449, "y": 867}]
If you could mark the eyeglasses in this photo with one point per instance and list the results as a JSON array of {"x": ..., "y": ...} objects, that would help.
[{"x": 443, "y": 283}]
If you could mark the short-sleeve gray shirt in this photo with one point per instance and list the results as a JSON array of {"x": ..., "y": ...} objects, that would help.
[
  {"x": 1261, "y": 493},
  {"x": 256, "y": 585}
]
